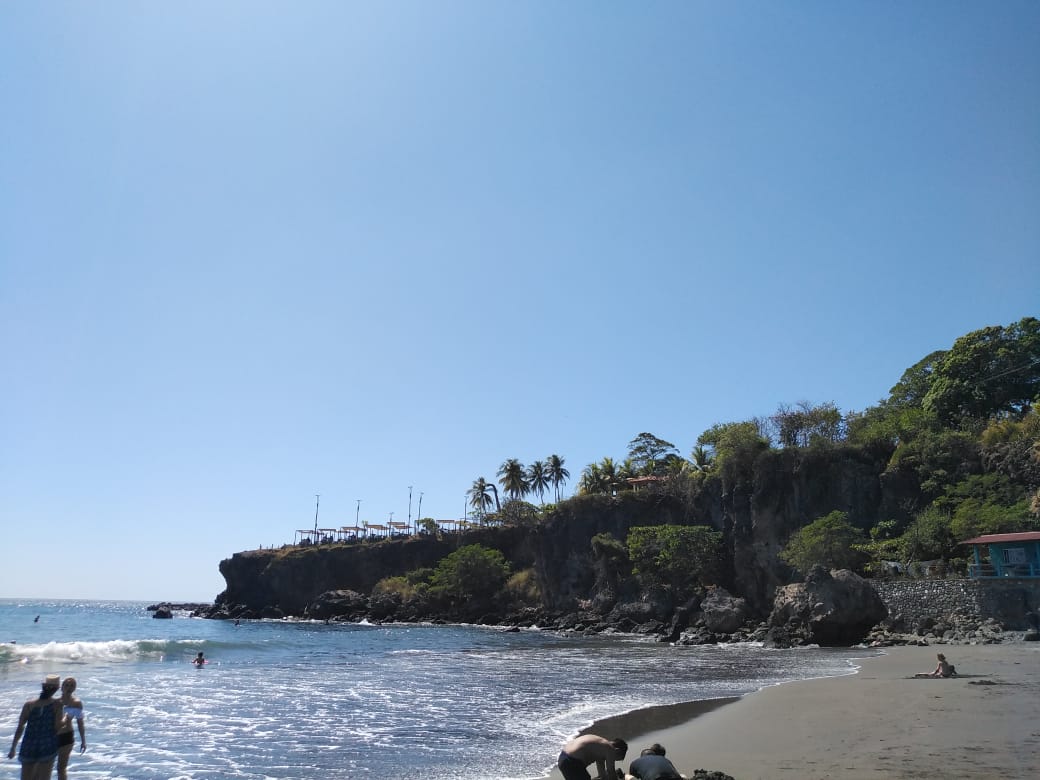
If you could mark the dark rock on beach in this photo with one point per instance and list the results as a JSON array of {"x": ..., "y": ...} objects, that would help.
[
  {"x": 723, "y": 612},
  {"x": 163, "y": 612},
  {"x": 836, "y": 608}
]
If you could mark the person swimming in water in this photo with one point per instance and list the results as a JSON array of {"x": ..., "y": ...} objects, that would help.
[{"x": 198, "y": 660}]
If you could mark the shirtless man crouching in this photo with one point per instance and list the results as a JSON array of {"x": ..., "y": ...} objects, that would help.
[{"x": 584, "y": 750}]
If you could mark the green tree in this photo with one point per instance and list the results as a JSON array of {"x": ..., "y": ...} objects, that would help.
[
  {"x": 806, "y": 424},
  {"x": 680, "y": 556},
  {"x": 916, "y": 381},
  {"x": 429, "y": 526},
  {"x": 936, "y": 461},
  {"x": 829, "y": 540},
  {"x": 739, "y": 442},
  {"x": 512, "y": 476},
  {"x": 991, "y": 372},
  {"x": 519, "y": 513},
  {"x": 929, "y": 537},
  {"x": 590, "y": 481},
  {"x": 471, "y": 573},
  {"x": 608, "y": 475},
  {"x": 646, "y": 450},
  {"x": 701, "y": 459},
  {"x": 558, "y": 475},
  {"x": 538, "y": 478}
]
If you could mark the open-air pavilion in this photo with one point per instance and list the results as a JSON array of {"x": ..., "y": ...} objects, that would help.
[{"x": 350, "y": 533}]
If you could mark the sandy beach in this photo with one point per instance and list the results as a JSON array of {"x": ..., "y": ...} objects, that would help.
[{"x": 878, "y": 723}]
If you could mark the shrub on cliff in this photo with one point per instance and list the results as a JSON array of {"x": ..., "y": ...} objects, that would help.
[
  {"x": 522, "y": 589},
  {"x": 682, "y": 557},
  {"x": 471, "y": 573},
  {"x": 831, "y": 541}
]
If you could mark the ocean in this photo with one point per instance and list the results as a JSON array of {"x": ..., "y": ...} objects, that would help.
[{"x": 291, "y": 699}]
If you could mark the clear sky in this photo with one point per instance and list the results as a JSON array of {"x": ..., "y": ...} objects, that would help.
[{"x": 251, "y": 252}]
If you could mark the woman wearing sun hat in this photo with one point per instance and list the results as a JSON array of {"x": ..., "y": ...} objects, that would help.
[{"x": 40, "y": 720}]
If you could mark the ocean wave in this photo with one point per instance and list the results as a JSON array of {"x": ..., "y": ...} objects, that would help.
[{"x": 114, "y": 650}]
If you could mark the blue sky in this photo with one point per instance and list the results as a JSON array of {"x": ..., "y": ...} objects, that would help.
[{"x": 250, "y": 252}]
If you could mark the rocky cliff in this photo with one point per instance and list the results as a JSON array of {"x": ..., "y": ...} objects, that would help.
[{"x": 756, "y": 507}]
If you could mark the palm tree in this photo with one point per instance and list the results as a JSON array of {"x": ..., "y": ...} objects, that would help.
[
  {"x": 513, "y": 479},
  {"x": 701, "y": 459},
  {"x": 538, "y": 478},
  {"x": 591, "y": 480},
  {"x": 557, "y": 474},
  {"x": 478, "y": 496}
]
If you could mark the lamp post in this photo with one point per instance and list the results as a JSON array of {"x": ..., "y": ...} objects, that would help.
[
  {"x": 317, "y": 498},
  {"x": 357, "y": 516},
  {"x": 418, "y": 515},
  {"x": 409, "y": 507}
]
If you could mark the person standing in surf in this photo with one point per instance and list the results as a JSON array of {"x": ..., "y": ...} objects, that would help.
[
  {"x": 40, "y": 721},
  {"x": 198, "y": 660},
  {"x": 72, "y": 709}
]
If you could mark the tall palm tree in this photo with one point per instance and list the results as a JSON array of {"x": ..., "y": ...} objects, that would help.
[
  {"x": 513, "y": 478},
  {"x": 558, "y": 475},
  {"x": 538, "y": 479},
  {"x": 479, "y": 497}
]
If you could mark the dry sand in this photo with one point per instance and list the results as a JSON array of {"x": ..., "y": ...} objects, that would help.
[{"x": 879, "y": 723}]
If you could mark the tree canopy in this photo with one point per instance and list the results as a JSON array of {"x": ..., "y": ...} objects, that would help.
[
  {"x": 991, "y": 372},
  {"x": 682, "y": 557},
  {"x": 829, "y": 540}
]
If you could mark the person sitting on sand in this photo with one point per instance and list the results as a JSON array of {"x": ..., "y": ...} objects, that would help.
[
  {"x": 586, "y": 749},
  {"x": 942, "y": 669},
  {"x": 652, "y": 765}
]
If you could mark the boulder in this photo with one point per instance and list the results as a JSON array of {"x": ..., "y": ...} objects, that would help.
[
  {"x": 338, "y": 603},
  {"x": 723, "y": 612},
  {"x": 163, "y": 612},
  {"x": 832, "y": 608}
]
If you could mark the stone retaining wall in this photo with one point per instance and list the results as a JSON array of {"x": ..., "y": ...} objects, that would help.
[{"x": 1005, "y": 600}]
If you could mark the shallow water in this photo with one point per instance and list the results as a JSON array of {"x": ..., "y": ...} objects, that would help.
[{"x": 281, "y": 699}]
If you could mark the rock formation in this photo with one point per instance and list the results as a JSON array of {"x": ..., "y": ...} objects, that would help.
[{"x": 830, "y": 608}]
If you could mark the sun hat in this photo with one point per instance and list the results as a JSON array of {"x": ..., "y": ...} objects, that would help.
[{"x": 52, "y": 680}]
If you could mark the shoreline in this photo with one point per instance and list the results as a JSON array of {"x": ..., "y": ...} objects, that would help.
[{"x": 878, "y": 722}]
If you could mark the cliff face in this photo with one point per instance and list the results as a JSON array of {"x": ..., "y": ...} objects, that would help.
[
  {"x": 757, "y": 510},
  {"x": 787, "y": 490},
  {"x": 291, "y": 578}
]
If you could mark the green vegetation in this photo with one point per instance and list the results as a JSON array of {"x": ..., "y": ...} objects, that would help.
[
  {"x": 956, "y": 443},
  {"x": 471, "y": 573},
  {"x": 830, "y": 540},
  {"x": 680, "y": 557}
]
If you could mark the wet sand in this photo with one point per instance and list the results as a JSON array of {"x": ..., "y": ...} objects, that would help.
[{"x": 880, "y": 723}]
